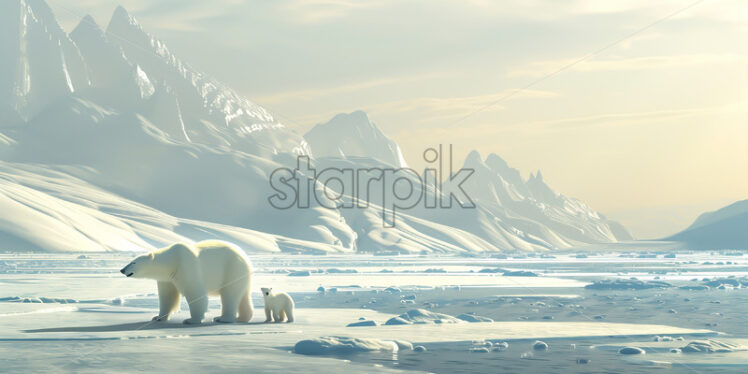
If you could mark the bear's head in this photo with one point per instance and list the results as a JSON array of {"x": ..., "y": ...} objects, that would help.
[
  {"x": 266, "y": 291},
  {"x": 140, "y": 267}
]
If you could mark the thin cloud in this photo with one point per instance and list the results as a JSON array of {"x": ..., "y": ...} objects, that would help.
[
  {"x": 355, "y": 87},
  {"x": 542, "y": 68},
  {"x": 452, "y": 107},
  {"x": 317, "y": 11}
]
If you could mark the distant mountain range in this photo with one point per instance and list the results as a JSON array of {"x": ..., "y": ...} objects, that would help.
[
  {"x": 726, "y": 228},
  {"x": 108, "y": 141}
]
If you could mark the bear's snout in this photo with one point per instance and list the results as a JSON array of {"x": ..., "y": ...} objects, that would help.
[{"x": 125, "y": 272}]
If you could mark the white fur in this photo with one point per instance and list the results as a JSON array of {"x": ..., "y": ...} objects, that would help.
[
  {"x": 196, "y": 271},
  {"x": 279, "y": 304}
]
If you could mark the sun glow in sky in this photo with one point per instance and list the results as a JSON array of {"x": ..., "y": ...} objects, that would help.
[{"x": 651, "y": 131}]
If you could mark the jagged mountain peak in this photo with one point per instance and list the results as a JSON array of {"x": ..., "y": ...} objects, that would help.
[
  {"x": 496, "y": 162},
  {"x": 87, "y": 26},
  {"x": 473, "y": 158},
  {"x": 535, "y": 178},
  {"x": 124, "y": 28},
  {"x": 353, "y": 134},
  {"x": 39, "y": 64},
  {"x": 122, "y": 15}
]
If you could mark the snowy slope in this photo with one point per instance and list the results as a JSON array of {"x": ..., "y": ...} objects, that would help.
[
  {"x": 726, "y": 228},
  {"x": 133, "y": 158},
  {"x": 49, "y": 209}
]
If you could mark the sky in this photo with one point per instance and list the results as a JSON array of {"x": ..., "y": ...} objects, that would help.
[{"x": 638, "y": 108}]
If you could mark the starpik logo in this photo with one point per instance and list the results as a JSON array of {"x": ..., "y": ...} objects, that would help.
[{"x": 390, "y": 189}]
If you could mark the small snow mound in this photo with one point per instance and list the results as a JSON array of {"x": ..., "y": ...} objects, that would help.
[
  {"x": 540, "y": 346},
  {"x": 396, "y": 321},
  {"x": 419, "y": 348},
  {"x": 631, "y": 351},
  {"x": 343, "y": 345},
  {"x": 694, "y": 288},
  {"x": 734, "y": 282},
  {"x": 403, "y": 345},
  {"x": 473, "y": 318},
  {"x": 626, "y": 284},
  {"x": 710, "y": 346},
  {"x": 362, "y": 323},
  {"x": 520, "y": 273},
  {"x": 500, "y": 346},
  {"x": 435, "y": 270},
  {"x": 421, "y": 316},
  {"x": 117, "y": 301},
  {"x": 303, "y": 273},
  {"x": 38, "y": 300},
  {"x": 341, "y": 271}
]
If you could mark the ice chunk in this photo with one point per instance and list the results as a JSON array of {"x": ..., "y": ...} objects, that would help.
[
  {"x": 421, "y": 316},
  {"x": 631, "y": 351},
  {"x": 303, "y": 273},
  {"x": 362, "y": 323},
  {"x": 710, "y": 346},
  {"x": 626, "y": 284},
  {"x": 343, "y": 345},
  {"x": 473, "y": 318}
]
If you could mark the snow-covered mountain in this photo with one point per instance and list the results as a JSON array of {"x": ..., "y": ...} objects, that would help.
[
  {"x": 126, "y": 70},
  {"x": 39, "y": 64},
  {"x": 108, "y": 141},
  {"x": 353, "y": 134},
  {"x": 725, "y": 228},
  {"x": 532, "y": 210}
]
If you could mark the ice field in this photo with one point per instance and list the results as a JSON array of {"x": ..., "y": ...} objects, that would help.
[{"x": 77, "y": 313}]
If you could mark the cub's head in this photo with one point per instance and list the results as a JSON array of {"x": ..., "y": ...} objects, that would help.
[
  {"x": 140, "y": 267},
  {"x": 266, "y": 291}
]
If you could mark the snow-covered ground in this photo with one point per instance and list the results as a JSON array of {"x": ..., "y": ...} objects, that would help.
[{"x": 65, "y": 312}]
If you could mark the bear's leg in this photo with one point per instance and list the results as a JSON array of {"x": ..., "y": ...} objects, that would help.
[
  {"x": 289, "y": 314},
  {"x": 168, "y": 300},
  {"x": 231, "y": 297},
  {"x": 229, "y": 307},
  {"x": 197, "y": 299},
  {"x": 276, "y": 316},
  {"x": 282, "y": 314},
  {"x": 268, "y": 318},
  {"x": 245, "y": 308}
]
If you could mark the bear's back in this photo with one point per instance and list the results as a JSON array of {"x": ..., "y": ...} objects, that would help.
[
  {"x": 218, "y": 248},
  {"x": 221, "y": 261}
]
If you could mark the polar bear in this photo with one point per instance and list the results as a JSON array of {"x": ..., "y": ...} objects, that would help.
[
  {"x": 279, "y": 303},
  {"x": 196, "y": 271}
]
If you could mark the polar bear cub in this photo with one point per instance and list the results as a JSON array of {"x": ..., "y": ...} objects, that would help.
[
  {"x": 196, "y": 271},
  {"x": 280, "y": 304}
]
